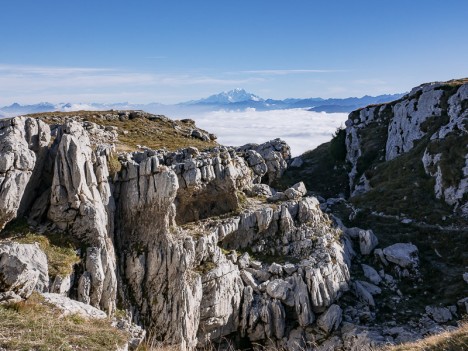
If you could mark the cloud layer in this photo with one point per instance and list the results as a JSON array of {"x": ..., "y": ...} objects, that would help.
[{"x": 302, "y": 130}]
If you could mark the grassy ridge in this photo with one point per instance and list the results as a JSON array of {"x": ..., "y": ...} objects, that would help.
[{"x": 156, "y": 132}]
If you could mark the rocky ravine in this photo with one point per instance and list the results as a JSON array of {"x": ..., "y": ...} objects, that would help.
[
  {"x": 157, "y": 234},
  {"x": 195, "y": 245}
]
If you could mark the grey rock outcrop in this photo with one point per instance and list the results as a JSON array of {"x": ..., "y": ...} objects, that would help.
[
  {"x": 81, "y": 203},
  {"x": 421, "y": 104},
  {"x": 155, "y": 262},
  {"x": 404, "y": 255},
  {"x": 198, "y": 245},
  {"x": 69, "y": 306},
  {"x": 454, "y": 191},
  {"x": 331, "y": 319},
  {"x": 276, "y": 153},
  {"x": 23, "y": 148},
  {"x": 23, "y": 269},
  {"x": 434, "y": 114},
  {"x": 367, "y": 241},
  {"x": 220, "y": 305}
]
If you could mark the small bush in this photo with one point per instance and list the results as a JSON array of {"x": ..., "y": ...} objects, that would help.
[
  {"x": 113, "y": 164},
  {"x": 338, "y": 145}
]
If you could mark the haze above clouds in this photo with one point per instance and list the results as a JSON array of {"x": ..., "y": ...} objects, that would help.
[
  {"x": 302, "y": 130},
  {"x": 172, "y": 51}
]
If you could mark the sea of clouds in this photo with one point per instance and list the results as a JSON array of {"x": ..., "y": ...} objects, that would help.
[{"x": 303, "y": 130}]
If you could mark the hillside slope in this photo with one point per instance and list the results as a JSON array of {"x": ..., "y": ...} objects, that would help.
[{"x": 190, "y": 242}]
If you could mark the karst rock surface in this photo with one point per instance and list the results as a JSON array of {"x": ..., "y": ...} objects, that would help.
[
  {"x": 166, "y": 233},
  {"x": 431, "y": 122},
  {"x": 196, "y": 245},
  {"x": 23, "y": 146}
]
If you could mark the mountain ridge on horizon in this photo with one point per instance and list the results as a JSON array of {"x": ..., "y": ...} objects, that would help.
[{"x": 235, "y": 99}]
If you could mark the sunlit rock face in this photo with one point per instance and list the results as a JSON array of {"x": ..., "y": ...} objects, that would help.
[{"x": 432, "y": 115}]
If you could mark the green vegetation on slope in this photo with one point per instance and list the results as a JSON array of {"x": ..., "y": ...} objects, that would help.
[
  {"x": 324, "y": 169},
  {"x": 442, "y": 252},
  {"x": 401, "y": 187}
]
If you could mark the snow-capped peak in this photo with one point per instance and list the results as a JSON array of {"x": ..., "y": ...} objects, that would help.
[{"x": 232, "y": 96}]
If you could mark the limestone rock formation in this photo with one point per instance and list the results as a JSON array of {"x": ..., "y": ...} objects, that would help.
[
  {"x": 69, "y": 306},
  {"x": 23, "y": 269},
  {"x": 23, "y": 147},
  {"x": 81, "y": 203},
  {"x": 404, "y": 255},
  {"x": 432, "y": 116},
  {"x": 198, "y": 247}
]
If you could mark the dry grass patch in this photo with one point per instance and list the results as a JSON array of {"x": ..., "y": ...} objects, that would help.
[
  {"x": 35, "y": 325},
  {"x": 155, "y": 132},
  {"x": 448, "y": 341},
  {"x": 60, "y": 248}
]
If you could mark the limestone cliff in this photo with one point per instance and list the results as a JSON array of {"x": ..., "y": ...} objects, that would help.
[
  {"x": 196, "y": 245},
  {"x": 427, "y": 127},
  {"x": 168, "y": 234}
]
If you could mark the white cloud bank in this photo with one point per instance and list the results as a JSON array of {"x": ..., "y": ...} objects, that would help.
[{"x": 302, "y": 130}]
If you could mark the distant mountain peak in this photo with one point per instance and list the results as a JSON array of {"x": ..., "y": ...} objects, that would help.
[{"x": 232, "y": 96}]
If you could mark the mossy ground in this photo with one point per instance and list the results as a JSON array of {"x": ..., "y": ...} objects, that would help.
[{"x": 35, "y": 325}]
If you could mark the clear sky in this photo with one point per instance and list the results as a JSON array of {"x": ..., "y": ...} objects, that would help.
[{"x": 171, "y": 51}]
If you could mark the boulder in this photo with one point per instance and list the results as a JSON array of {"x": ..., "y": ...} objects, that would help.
[
  {"x": 404, "y": 255},
  {"x": 295, "y": 192},
  {"x": 357, "y": 338},
  {"x": 296, "y": 162},
  {"x": 371, "y": 274},
  {"x": 69, "y": 306},
  {"x": 289, "y": 268},
  {"x": 439, "y": 314},
  {"x": 371, "y": 288},
  {"x": 363, "y": 295},
  {"x": 244, "y": 260},
  {"x": 463, "y": 305},
  {"x": 331, "y": 319},
  {"x": 279, "y": 289},
  {"x": 275, "y": 268},
  {"x": 23, "y": 269},
  {"x": 61, "y": 285},
  {"x": 260, "y": 190},
  {"x": 367, "y": 241}
]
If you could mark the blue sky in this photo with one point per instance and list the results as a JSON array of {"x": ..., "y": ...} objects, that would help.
[{"x": 172, "y": 51}]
